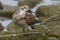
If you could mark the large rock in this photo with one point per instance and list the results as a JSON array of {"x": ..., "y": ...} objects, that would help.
[
  {"x": 46, "y": 11},
  {"x": 14, "y": 27},
  {"x": 22, "y": 36},
  {"x": 8, "y": 11},
  {"x": 52, "y": 26}
]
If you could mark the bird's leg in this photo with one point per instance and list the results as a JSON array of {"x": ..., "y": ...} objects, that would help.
[
  {"x": 29, "y": 28},
  {"x": 23, "y": 30}
]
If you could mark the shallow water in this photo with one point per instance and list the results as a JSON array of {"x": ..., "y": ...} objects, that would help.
[{"x": 5, "y": 24}]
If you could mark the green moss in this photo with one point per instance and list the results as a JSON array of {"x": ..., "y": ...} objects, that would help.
[
  {"x": 6, "y": 14},
  {"x": 23, "y": 36},
  {"x": 8, "y": 11},
  {"x": 14, "y": 27},
  {"x": 47, "y": 11}
]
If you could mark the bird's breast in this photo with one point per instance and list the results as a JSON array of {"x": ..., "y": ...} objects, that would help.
[
  {"x": 30, "y": 19},
  {"x": 22, "y": 14}
]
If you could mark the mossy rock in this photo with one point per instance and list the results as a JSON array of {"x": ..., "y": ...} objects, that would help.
[
  {"x": 30, "y": 3},
  {"x": 53, "y": 25},
  {"x": 14, "y": 27},
  {"x": 52, "y": 38},
  {"x": 23, "y": 36},
  {"x": 47, "y": 11},
  {"x": 8, "y": 11},
  {"x": 7, "y": 14}
]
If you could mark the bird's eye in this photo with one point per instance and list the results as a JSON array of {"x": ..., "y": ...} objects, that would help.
[
  {"x": 25, "y": 7},
  {"x": 22, "y": 8}
]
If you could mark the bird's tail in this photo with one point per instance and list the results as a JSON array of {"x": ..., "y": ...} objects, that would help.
[{"x": 37, "y": 20}]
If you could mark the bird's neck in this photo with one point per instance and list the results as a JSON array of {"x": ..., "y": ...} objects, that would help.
[{"x": 22, "y": 12}]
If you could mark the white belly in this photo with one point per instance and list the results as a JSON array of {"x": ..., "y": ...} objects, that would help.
[{"x": 22, "y": 14}]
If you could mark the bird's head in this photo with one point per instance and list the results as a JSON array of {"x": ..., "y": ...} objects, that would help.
[{"x": 24, "y": 8}]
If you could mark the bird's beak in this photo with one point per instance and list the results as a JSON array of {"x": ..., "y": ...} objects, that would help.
[{"x": 29, "y": 11}]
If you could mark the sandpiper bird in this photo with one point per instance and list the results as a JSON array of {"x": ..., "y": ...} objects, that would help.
[
  {"x": 24, "y": 18},
  {"x": 31, "y": 19}
]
